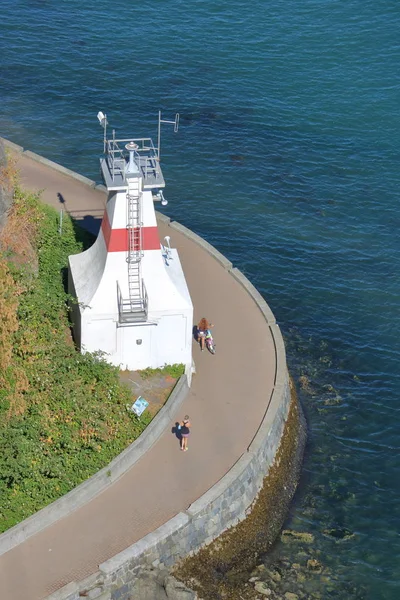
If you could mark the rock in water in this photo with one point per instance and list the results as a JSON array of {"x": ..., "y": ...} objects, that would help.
[
  {"x": 262, "y": 588},
  {"x": 314, "y": 565},
  {"x": 291, "y": 596},
  {"x": 296, "y": 536},
  {"x": 274, "y": 575},
  {"x": 340, "y": 533}
]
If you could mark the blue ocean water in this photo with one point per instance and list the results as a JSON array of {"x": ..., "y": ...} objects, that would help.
[{"x": 287, "y": 160}]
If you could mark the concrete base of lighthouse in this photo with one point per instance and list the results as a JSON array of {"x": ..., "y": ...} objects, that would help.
[{"x": 165, "y": 336}]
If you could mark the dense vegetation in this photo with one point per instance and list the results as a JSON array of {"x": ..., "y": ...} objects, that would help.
[{"x": 63, "y": 415}]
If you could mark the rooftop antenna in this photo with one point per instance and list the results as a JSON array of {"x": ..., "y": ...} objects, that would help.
[
  {"x": 175, "y": 123},
  {"x": 164, "y": 201},
  {"x": 167, "y": 240},
  {"x": 103, "y": 122}
]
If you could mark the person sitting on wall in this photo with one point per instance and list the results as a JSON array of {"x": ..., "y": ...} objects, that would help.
[{"x": 202, "y": 331}]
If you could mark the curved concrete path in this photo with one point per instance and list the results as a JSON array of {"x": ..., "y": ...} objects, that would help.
[{"x": 226, "y": 403}]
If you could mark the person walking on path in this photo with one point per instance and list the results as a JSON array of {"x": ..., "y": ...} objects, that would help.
[
  {"x": 184, "y": 427},
  {"x": 202, "y": 328}
]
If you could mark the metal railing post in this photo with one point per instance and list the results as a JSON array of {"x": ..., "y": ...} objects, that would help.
[{"x": 61, "y": 221}]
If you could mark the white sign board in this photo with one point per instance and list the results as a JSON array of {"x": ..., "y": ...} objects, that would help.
[{"x": 139, "y": 406}]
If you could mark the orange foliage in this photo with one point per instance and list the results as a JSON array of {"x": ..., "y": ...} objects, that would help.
[
  {"x": 8, "y": 315},
  {"x": 17, "y": 239},
  {"x": 9, "y": 173},
  {"x": 87, "y": 433},
  {"x": 16, "y": 398}
]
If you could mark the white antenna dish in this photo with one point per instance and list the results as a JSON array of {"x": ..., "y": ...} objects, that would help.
[
  {"x": 167, "y": 246},
  {"x": 103, "y": 122},
  {"x": 164, "y": 201},
  {"x": 102, "y": 118}
]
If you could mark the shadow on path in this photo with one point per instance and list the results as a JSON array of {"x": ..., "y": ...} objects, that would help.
[{"x": 88, "y": 224}]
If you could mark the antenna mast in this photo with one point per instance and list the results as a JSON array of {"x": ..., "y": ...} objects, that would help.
[
  {"x": 175, "y": 123},
  {"x": 103, "y": 122}
]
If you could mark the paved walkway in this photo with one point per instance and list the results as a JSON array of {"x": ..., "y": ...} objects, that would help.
[{"x": 226, "y": 404}]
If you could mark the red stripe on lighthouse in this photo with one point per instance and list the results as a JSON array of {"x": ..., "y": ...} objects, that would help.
[
  {"x": 117, "y": 240},
  {"x": 151, "y": 241}
]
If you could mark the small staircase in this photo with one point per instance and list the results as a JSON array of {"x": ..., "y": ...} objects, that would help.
[{"x": 134, "y": 308}]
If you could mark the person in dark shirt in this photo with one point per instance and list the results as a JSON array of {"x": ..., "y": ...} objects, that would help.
[{"x": 185, "y": 431}]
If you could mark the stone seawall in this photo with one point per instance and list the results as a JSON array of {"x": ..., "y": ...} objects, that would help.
[{"x": 222, "y": 506}]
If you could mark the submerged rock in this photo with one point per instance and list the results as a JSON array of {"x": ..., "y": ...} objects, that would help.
[
  {"x": 333, "y": 401},
  {"x": 339, "y": 533},
  {"x": 289, "y": 536},
  {"x": 237, "y": 158},
  {"x": 305, "y": 384},
  {"x": 262, "y": 588},
  {"x": 300, "y": 577},
  {"x": 314, "y": 565},
  {"x": 259, "y": 569},
  {"x": 274, "y": 575},
  {"x": 291, "y": 596}
]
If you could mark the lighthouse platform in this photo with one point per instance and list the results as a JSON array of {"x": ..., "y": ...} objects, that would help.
[{"x": 113, "y": 164}]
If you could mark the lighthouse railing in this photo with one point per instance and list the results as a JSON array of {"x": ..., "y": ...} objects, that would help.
[
  {"x": 132, "y": 313},
  {"x": 146, "y": 156}
]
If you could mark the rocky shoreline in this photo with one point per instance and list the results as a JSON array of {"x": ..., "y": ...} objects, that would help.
[{"x": 299, "y": 574}]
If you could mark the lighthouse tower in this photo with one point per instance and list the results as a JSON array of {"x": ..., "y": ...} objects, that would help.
[{"x": 133, "y": 302}]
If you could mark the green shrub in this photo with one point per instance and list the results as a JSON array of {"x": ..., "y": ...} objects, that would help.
[
  {"x": 174, "y": 371},
  {"x": 63, "y": 415}
]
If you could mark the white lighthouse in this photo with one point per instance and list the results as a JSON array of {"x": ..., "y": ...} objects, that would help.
[{"x": 133, "y": 301}]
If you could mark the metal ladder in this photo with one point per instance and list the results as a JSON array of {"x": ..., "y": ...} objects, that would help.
[{"x": 134, "y": 309}]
